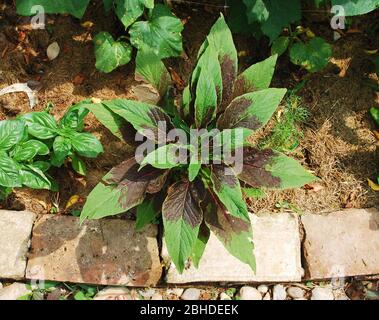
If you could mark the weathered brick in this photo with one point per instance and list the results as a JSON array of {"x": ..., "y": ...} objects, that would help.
[
  {"x": 277, "y": 252},
  {"x": 15, "y": 232},
  {"x": 342, "y": 243},
  {"x": 106, "y": 252}
]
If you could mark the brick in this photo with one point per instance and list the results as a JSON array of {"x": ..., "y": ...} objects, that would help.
[
  {"x": 277, "y": 252},
  {"x": 16, "y": 228},
  {"x": 342, "y": 243},
  {"x": 103, "y": 252}
]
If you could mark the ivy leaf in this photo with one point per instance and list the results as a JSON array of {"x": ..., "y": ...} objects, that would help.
[
  {"x": 313, "y": 56},
  {"x": 9, "y": 172},
  {"x": 251, "y": 110},
  {"x": 257, "y": 77},
  {"x": 357, "y": 7},
  {"x": 86, "y": 144},
  {"x": 166, "y": 157},
  {"x": 11, "y": 133},
  {"x": 150, "y": 69},
  {"x": 110, "y": 54},
  {"x": 274, "y": 170},
  {"x": 257, "y": 10},
  {"x": 227, "y": 187},
  {"x": 234, "y": 233},
  {"x": 162, "y": 33},
  {"x": 280, "y": 45},
  {"x": 76, "y": 8},
  {"x": 128, "y": 11},
  {"x": 149, "y": 120},
  {"x": 182, "y": 216},
  {"x": 281, "y": 15},
  {"x": 41, "y": 125}
]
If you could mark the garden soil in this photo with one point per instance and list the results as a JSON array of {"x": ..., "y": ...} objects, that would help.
[{"x": 339, "y": 145}]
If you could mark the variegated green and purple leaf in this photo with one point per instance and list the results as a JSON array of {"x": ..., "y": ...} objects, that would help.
[
  {"x": 150, "y": 69},
  {"x": 182, "y": 217},
  {"x": 200, "y": 244},
  {"x": 274, "y": 170},
  {"x": 227, "y": 188},
  {"x": 255, "y": 78},
  {"x": 221, "y": 40},
  {"x": 234, "y": 233},
  {"x": 147, "y": 119},
  {"x": 251, "y": 110},
  {"x": 122, "y": 188}
]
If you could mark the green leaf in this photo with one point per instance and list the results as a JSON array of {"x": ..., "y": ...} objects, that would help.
[
  {"x": 86, "y": 145},
  {"x": 182, "y": 216},
  {"x": 62, "y": 148},
  {"x": 151, "y": 69},
  {"x": 42, "y": 165},
  {"x": 200, "y": 244},
  {"x": 280, "y": 45},
  {"x": 313, "y": 56},
  {"x": 375, "y": 114},
  {"x": 251, "y": 110},
  {"x": 231, "y": 139},
  {"x": 271, "y": 169},
  {"x": 4, "y": 193},
  {"x": 254, "y": 193},
  {"x": 256, "y": 10},
  {"x": 128, "y": 11},
  {"x": 123, "y": 188},
  {"x": 11, "y": 133},
  {"x": 29, "y": 149},
  {"x": 146, "y": 214},
  {"x": 112, "y": 121},
  {"x": 221, "y": 40},
  {"x": 73, "y": 7},
  {"x": 41, "y": 125},
  {"x": 144, "y": 117},
  {"x": 110, "y": 54},
  {"x": 74, "y": 118},
  {"x": 234, "y": 233},
  {"x": 375, "y": 59},
  {"x": 257, "y": 77},
  {"x": 34, "y": 178},
  {"x": 166, "y": 157},
  {"x": 227, "y": 187},
  {"x": 108, "y": 5},
  {"x": 194, "y": 168},
  {"x": 161, "y": 34},
  {"x": 78, "y": 165},
  {"x": 357, "y": 7},
  {"x": 9, "y": 172},
  {"x": 281, "y": 15}
]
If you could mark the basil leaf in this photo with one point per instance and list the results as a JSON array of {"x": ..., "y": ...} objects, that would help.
[
  {"x": 86, "y": 145},
  {"x": 41, "y": 125}
]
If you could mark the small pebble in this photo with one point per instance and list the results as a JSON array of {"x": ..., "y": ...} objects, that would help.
[
  {"x": 176, "y": 291},
  {"x": 157, "y": 296},
  {"x": 250, "y": 293},
  {"x": 295, "y": 292},
  {"x": 319, "y": 293},
  {"x": 262, "y": 288},
  {"x": 224, "y": 296},
  {"x": 147, "y": 294},
  {"x": 340, "y": 295},
  {"x": 53, "y": 51},
  {"x": 279, "y": 292},
  {"x": 191, "y": 294}
]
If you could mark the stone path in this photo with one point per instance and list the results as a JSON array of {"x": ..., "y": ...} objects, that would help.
[{"x": 110, "y": 252}]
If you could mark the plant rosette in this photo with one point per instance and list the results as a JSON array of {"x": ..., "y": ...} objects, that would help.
[{"x": 193, "y": 161}]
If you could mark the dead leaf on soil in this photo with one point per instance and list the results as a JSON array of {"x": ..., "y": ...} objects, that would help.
[{"x": 373, "y": 185}]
